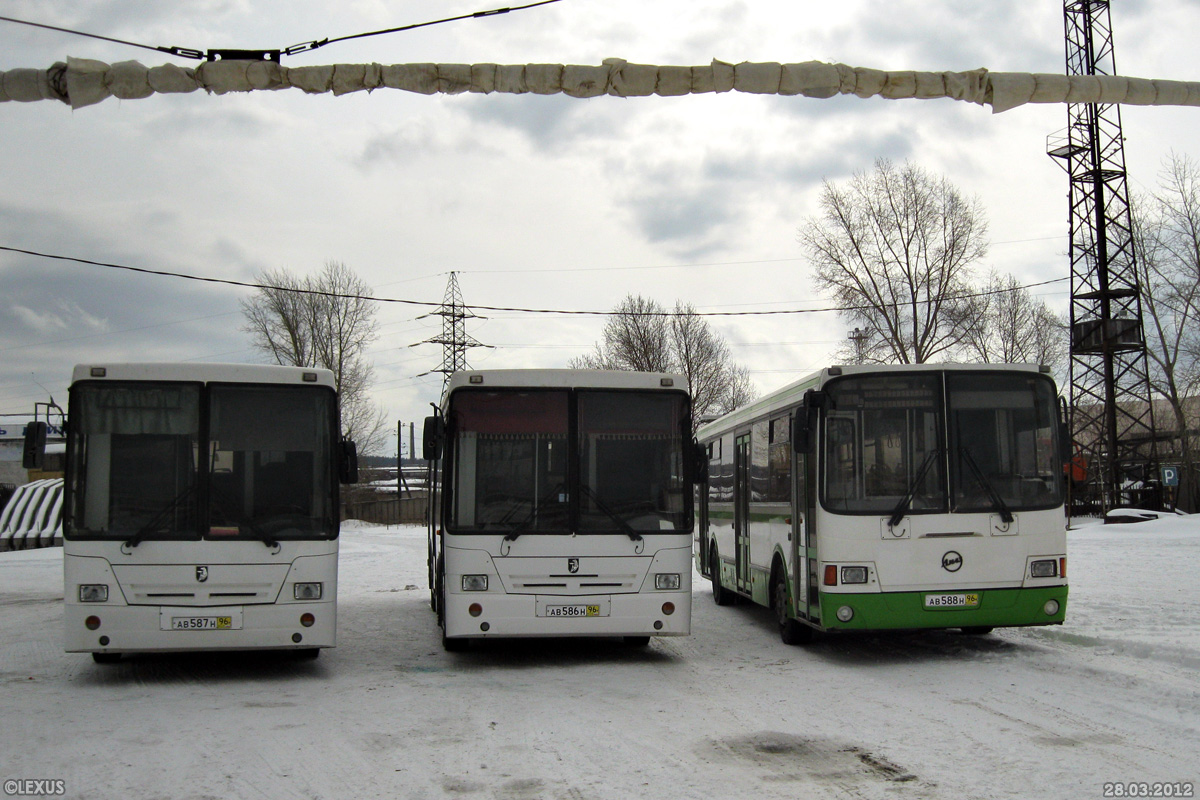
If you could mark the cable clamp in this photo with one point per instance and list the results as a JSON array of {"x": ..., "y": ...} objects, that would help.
[
  {"x": 243, "y": 55},
  {"x": 304, "y": 47}
]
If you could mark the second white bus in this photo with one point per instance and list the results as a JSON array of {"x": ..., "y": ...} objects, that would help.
[{"x": 562, "y": 505}]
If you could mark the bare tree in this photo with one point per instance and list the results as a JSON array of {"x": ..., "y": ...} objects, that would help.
[
  {"x": 1010, "y": 326},
  {"x": 702, "y": 355},
  {"x": 323, "y": 320},
  {"x": 642, "y": 336},
  {"x": 739, "y": 390},
  {"x": 1167, "y": 241},
  {"x": 636, "y": 338},
  {"x": 896, "y": 249}
]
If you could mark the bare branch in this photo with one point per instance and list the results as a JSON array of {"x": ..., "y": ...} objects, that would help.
[
  {"x": 899, "y": 246},
  {"x": 324, "y": 320}
]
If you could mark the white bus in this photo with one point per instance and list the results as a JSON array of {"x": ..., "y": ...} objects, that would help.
[
  {"x": 902, "y": 497},
  {"x": 201, "y": 508},
  {"x": 561, "y": 505}
]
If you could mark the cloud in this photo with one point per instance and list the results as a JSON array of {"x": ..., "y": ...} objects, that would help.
[
  {"x": 39, "y": 321},
  {"x": 60, "y": 314},
  {"x": 548, "y": 122},
  {"x": 1026, "y": 37},
  {"x": 64, "y": 316},
  {"x": 725, "y": 177}
]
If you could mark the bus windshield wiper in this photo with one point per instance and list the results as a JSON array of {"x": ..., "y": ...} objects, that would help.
[
  {"x": 157, "y": 519},
  {"x": 524, "y": 524},
  {"x": 625, "y": 527},
  {"x": 259, "y": 533},
  {"x": 998, "y": 501},
  {"x": 220, "y": 501},
  {"x": 901, "y": 508}
]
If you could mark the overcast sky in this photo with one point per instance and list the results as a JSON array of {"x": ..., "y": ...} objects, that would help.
[{"x": 546, "y": 202}]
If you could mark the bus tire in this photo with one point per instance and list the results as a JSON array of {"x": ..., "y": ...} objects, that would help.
[
  {"x": 977, "y": 630},
  {"x": 454, "y": 645},
  {"x": 791, "y": 631},
  {"x": 448, "y": 644},
  {"x": 721, "y": 595},
  {"x": 308, "y": 653},
  {"x": 106, "y": 658},
  {"x": 637, "y": 641},
  {"x": 434, "y": 588}
]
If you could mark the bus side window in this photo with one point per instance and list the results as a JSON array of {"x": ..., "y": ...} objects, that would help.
[{"x": 779, "y": 482}]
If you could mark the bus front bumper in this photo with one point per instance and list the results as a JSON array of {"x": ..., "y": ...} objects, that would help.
[
  {"x": 149, "y": 629},
  {"x": 489, "y": 614},
  {"x": 984, "y": 608}
]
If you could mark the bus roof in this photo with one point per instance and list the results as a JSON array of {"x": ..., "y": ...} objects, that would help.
[
  {"x": 791, "y": 394},
  {"x": 566, "y": 379},
  {"x": 202, "y": 372}
]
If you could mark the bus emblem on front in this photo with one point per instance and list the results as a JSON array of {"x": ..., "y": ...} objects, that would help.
[
  {"x": 201, "y": 574},
  {"x": 952, "y": 561},
  {"x": 572, "y": 565}
]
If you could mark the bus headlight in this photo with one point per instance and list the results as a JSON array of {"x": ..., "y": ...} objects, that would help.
[
  {"x": 854, "y": 574},
  {"x": 307, "y": 591},
  {"x": 474, "y": 583},
  {"x": 1047, "y": 568},
  {"x": 845, "y": 613},
  {"x": 93, "y": 593},
  {"x": 666, "y": 580}
]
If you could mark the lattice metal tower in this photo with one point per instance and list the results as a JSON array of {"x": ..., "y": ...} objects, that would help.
[
  {"x": 1112, "y": 421},
  {"x": 454, "y": 339}
]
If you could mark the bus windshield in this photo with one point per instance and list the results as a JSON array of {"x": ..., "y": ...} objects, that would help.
[
  {"x": 1003, "y": 442},
  {"x": 886, "y": 450},
  {"x": 137, "y": 474},
  {"x": 270, "y": 463},
  {"x": 631, "y": 462},
  {"x": 883, "y": 439},
  {"x": 133, "y": 460},
  {"x": 529, "y": 461}
]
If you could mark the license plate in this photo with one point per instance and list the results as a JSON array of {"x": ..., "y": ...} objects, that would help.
[
  {"x": 203, "y": 624},
  {"x": 966, "y": 600},
  {"x": 573, "y": 611}
]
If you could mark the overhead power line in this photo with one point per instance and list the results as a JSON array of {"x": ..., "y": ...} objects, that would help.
[
  {"x": 273, "y": 54},
  {"x": 515, "y": 309}
]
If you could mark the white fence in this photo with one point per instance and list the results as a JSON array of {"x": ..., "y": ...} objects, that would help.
[{"x": 33, "y": 516}]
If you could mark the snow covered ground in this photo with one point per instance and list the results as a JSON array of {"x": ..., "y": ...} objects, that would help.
[{"x": 1112, "y": 696}]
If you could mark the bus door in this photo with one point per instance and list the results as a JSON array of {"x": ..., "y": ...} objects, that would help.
[
  {"x": 801, "y": 528},
  {"x": 741, "y": 511}
]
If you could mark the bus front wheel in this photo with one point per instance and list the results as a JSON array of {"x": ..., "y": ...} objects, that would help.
[
  {"x": 721, "y": 596},
  {"x": 448, "y": 644},
  {"x": 791, "y": 631}
]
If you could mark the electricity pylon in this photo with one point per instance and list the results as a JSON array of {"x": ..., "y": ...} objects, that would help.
[
  {"x": 1112, "y": 419},
  {"x": 454, "y": 338}
]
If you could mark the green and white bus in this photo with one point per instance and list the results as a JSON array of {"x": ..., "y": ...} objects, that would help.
[{"x": 867, "y": 498}]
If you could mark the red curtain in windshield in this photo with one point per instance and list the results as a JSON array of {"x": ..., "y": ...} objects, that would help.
[{"x": 542, "y": 412}]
